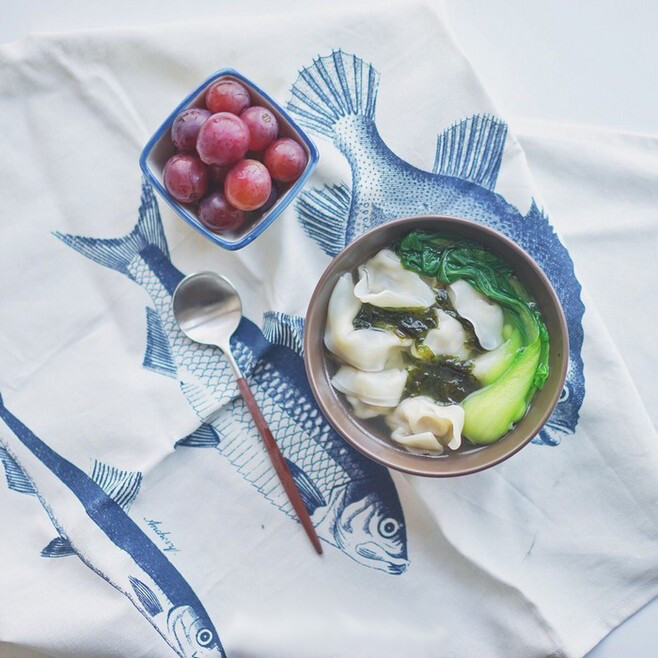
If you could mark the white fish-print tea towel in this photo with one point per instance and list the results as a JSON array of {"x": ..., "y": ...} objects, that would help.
[{"x": 191, "y": 548}]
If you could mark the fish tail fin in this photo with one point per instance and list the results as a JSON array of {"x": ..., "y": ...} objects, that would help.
[
  {"x": 117, "y": 253},
  {"x": 472, "y": 149},
  {"x": 323, "y": 213},
  {"x": 331, "y": 88}
]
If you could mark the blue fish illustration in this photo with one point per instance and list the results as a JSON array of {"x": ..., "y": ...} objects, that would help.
[
  {"x": 335, "y": 97},
  {"x": 90, "y": 516},
  {"x": 352, "y": 501}
]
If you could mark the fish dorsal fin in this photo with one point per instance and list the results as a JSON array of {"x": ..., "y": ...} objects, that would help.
[
  {"x": 307, "y": 490},
  {"x": 201, "y": 399},
  {"x": 472, "y": 149},
  {"x": 332, "y": 88},
  {"x": 17, "y": 480},
  {"x": 283, "y": 329},
  {"x": 58, "y": 547},
  {"x": 146, "y": 596},
  {"x": 204, "y": 436},
  {"x": 158, "y": 353},
  {"x": 121, "y": 486},
  {"x": 323, "y": 213}
]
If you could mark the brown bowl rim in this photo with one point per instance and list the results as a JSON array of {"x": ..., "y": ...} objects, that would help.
[{"x": 416, "y": 464}]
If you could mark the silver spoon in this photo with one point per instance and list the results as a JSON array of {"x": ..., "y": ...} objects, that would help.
[{"x": 208, "y": 310}]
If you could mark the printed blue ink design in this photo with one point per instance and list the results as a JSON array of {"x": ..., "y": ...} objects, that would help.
[
  {"x": 58, "y": 547},
  {"x": 354, "y": 502},
  {"x": 158, "y": 355},
  {"x": 284, "y": 329},
  {"x": 16, "y": 477},
  {"x": 155, "y": 587},
  {"x": 148, "y": 599},
  {"x": 335, "y": 97},
  {"x": 205, "y": 436},
  {"x": 324, "y": 212},
  {"x": 121, "y": 486}
]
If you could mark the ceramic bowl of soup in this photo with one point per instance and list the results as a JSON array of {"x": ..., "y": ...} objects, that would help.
[{"x": 435, "y": 346}]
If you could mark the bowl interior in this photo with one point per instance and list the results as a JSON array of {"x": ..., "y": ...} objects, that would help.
[
  {"x": 375, "y": 443},
  {"x": 160, "y": 148}
]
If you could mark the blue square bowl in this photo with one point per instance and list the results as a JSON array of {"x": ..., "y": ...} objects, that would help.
[{"x": 160, "y": 148}]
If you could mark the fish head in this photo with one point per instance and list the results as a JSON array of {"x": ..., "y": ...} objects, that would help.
[
  {"x": 369, "y": 525},
  {"x": 194, "y": 633},
  {"x": 564, "y": 418}
]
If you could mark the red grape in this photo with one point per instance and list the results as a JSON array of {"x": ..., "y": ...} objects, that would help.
[
  {"x": 263, "y": 127},
  {"x": 216, "y": 214},
  {"x": 227, "y": 96},
  {"x": 285, "y": 159},
  {"x": 223, "y": 139},
  {"x": 248, "y": 185},
  {"x": 271, "y": 200},
  {"x": 185, "y": 177},
  {"x": 186, "y": 127}
]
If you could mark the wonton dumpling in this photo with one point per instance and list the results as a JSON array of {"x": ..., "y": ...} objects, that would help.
[
  {"x": 365, "y": 410},
  {"x": 380, "y": 389},
  {"x": 366, "y": 349},
  {"x": 447, "y": 338},
  {"x": 384, "y": 282},
  {"x": 419, "y": 422},
  {"x": 485, "y": 316}
]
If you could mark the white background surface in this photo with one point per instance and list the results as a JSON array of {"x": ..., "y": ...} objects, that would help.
[{"x": 559, "y": 60}]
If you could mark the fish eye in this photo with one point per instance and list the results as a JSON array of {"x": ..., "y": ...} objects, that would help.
[
  {"x": 564, "y": 395},
  {"x": 204, "y": 637},
  {"x": 388, "y": 527}
]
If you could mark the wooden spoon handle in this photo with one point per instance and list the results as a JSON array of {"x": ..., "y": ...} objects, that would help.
[{"x": 279, "y": 464}]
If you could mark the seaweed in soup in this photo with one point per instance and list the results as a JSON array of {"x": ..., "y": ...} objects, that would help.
[
  {"x": 443, "y": 379},
  {"x": 404, "y": 323}
]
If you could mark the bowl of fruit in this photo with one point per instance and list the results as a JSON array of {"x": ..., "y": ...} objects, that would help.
[{"x": 228, "y": 159}]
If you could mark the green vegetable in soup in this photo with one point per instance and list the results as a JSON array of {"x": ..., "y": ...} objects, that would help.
[
  {"x": 492, "y": 411},
  {"x": 520, "y": 366},
  {"x": 489, "y": 366}
]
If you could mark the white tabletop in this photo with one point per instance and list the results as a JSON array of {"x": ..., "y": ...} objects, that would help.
[{"x": 582, "y": 63}]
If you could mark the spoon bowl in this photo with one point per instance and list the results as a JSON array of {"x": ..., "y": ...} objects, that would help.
[{"x": 207, "y": 308}]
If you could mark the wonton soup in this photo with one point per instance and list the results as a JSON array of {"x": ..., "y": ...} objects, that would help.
[{"x": 437, "y": 343}]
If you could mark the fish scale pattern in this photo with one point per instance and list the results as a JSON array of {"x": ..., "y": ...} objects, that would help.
[
  {"x": 205, "y": 364},
  {"x": 302, "y": 434},
  {"x": 242, "y": 446},
  {"x": 321, "y": 464}
]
